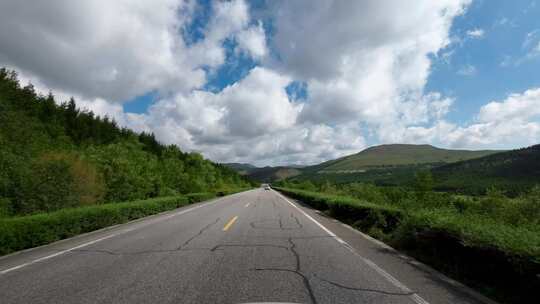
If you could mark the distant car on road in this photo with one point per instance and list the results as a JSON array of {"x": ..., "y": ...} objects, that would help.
[{"x": 266, "y": 186}]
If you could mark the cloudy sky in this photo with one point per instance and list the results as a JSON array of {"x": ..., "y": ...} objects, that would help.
[{"x": 281, "y": 82}]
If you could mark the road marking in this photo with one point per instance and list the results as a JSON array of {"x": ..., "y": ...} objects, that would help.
[
  {"x": 230, "y": 223},
  {"x": 413, "y": 296},
  {"x": 100, "y": 239},
  {"x": 57, "y": 254},
  {"x": 247, "y": 205}
]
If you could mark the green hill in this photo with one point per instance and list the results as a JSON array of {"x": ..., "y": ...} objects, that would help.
[
  {"x": 398, "y": 155},
  {"x": 393, "y": 164},
  {"x": 55, "y": 156},
  {"x": 512, "y": 171}
]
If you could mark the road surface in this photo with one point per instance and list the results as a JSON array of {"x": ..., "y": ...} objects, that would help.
[{"x": 255, "y": 246}]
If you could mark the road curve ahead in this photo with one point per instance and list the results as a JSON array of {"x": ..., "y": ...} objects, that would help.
[{"x": 255, "y": 246}]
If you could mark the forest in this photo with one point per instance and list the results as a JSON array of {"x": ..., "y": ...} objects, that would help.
[{"x": 55, "y": 155}]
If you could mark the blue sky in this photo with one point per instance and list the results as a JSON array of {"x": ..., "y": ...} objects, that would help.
[
  {"x": 281, "y": 82},
  {"x": 499, "y": 58}
]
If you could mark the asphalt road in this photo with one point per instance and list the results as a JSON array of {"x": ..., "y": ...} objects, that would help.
[{"x": 255, "y": 246}]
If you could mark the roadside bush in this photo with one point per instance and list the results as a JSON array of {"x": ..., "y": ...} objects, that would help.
[
  {"x": 368, "y": 192},
  {"x": 349, "y": 210},
  {"x": 423, "y": 182},
  {"x": 529, "y": 206},
  {"x": 494, "y": 202},
  {"x": 460, "y": 203},
  {"x": 23, "y": 232},
  {"x": 329, "y": 188},
  {"x": 51, "y": 187},
  {"x": 59, "y": 180},
  {"x": 5, "y": 207},
  {"x": 199, "y": 197},
  {"x": 166, "y": 191},
  {"x": 306, "y": 185},
  {"x": 396, "y": 195}
]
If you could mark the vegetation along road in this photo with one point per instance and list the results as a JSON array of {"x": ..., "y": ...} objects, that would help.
[{"x": 254, "y": 246}]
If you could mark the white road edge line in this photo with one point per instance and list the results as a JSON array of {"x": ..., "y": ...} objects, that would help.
[
  {"x": 101, "y": 239},
  {"x": 57, "y": 254},
  {"x": 414, "y": 296},
  {"x": 481, "y": 298}
]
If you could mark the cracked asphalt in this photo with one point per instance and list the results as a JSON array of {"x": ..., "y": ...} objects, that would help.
[{"x": 271, "y": 253}]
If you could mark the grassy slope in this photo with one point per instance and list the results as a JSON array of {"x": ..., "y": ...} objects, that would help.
[
  {"x": 386, "y": 164},
  {"x": 399, "y": 155},
  {"x": 394, "y": 163}
]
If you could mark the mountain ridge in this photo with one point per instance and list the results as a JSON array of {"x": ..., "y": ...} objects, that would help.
[
  {"x": 396, "y": 155},
  {"x": 512, "y": 170},
  {"x": 386, "y": 156}
]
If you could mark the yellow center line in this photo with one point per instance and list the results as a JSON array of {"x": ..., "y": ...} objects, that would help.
[
  {"x": 230, "y": 223},
  {"x": 247, "y": 205}
]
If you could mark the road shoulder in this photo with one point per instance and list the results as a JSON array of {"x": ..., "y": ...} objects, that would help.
[{"x": 422, "y": 279}]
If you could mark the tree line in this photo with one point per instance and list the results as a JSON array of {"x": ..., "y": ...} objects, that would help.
[{"x": 54, "y": 156}]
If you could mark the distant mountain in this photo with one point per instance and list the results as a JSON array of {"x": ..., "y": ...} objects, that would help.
[
  {"x": 394, "y": 164},
  {"x": 512, "y": 171},
  {"x": 272, "y": 174},
  {"x": 266, "y": 174},
  {"x": 296, "y": 166},
  {"x": 385, "y": 164},
  {"x": 394, "y": 155},
  {"x": 241, "y": 168}
]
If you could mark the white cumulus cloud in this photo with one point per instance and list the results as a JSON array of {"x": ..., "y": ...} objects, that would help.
[
  {"x": 511, "y": 122},
  {"x": 364, "y": 66},
  {"x": 363, "y": 61},
  {"x": 113, "y": 50}
]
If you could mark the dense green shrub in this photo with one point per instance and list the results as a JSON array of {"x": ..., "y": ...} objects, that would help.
[
  {"x": 198, "y": 197},
  {"x": 5, "y": 207},
  {"x": 368, "y": 192},
  {"x": 529, "y": 207}
]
